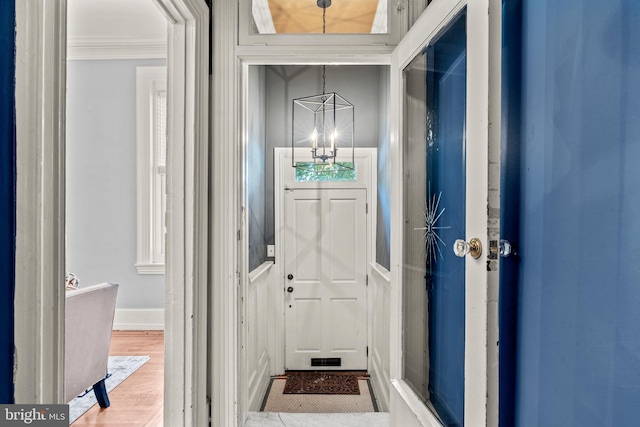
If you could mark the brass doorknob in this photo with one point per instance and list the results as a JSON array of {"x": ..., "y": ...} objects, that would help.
[{"x": 473, "y": 247}]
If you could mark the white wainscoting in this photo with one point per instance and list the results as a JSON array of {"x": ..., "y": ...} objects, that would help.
[
  {"x": 379, "y": 288},
  {"x": 139, "y": 319},
  {"x": 259, "y": 319}
]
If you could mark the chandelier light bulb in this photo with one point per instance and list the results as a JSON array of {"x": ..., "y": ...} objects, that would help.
[{"x": 334, "y": 136}]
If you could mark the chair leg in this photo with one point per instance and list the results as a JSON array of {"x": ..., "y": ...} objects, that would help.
[{"x": 101, "y": 394}]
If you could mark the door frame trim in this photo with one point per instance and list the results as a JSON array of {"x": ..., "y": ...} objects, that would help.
[
  {"x": 282, "y": 160},
  {"x": 40, "y": 252},
  {"x": 40, "y": 201},
  {"x": 186, "y": 271}
]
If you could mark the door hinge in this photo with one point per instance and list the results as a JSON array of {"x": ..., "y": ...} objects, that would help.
[
  {"x": 367, "y": 279},
  {"x": 366, "y": 208},
  {"x": 367, "y": 351},
  {"x": 238, "y": 235}
]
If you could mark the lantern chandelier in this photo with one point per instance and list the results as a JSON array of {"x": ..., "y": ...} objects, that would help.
[{"x": 323, "y": 123}]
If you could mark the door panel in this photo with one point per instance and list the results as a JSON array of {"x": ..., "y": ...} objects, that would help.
[
  {"x": 308, "y": 314},
  {"x": 446, "y": 175},
  {"x": 340, "y": 319},
  {"x": 578, "y": 322},
  {"x": 435, "y": 216},
  {"x": 306, "y": 218},
  {"x": 343, "y": 240},
  {"x": 325, "y": 312}
]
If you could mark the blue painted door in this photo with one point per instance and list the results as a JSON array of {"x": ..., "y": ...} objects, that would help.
[
  {"x": 510, "y": 168},
  {"x": 446, "y": 186},
  {"x": 7, "y": 197},
  {"x": 577, "y": 328},
  {"x": 435, "y": 215}
]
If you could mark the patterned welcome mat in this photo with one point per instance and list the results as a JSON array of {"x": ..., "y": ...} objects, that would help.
[{"x": 322, "y": 383}]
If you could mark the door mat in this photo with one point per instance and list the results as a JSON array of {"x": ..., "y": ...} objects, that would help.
[{"x": 321, "y": 383}]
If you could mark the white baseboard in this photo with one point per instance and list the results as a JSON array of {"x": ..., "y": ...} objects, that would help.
[{"x": 139, "y": 319}]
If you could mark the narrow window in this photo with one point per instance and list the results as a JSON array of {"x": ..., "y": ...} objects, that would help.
[{"x": 151, "y": 105}]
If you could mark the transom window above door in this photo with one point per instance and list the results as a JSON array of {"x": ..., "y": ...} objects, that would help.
[{"x": 345, "y": 171}]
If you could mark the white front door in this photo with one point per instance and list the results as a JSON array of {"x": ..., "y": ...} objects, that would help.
[{"x": 325, "y": 246}]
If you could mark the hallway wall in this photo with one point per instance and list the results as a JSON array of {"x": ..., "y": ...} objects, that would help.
[
  {"x": 101, "y": 180},
  {"x": 383, "y": 228},
  {"x": 256, "y": 167},
  {"x": 358, "y": 84}
]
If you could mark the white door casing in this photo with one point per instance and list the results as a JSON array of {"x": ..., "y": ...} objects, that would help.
[
  {"x": 325, "y": 278},
  {"x": 40, "y": 126}
]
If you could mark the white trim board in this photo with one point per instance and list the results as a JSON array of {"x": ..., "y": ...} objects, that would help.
[
  {"x": 139, "y": 319},
  {"x": 187, "y": 213},
  {"x": 92, "y": 48},
  {"x": 226, "y": 187},
  {"x": 40, "y": 194},
  {"x": 379, "y": 313}
]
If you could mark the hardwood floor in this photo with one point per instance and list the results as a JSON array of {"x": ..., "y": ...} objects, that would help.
[{"x": 138, "y": 400}]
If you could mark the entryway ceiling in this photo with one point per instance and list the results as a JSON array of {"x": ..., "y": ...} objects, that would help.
[
  {"x": 115, "y": 19},
  {"x": 304, "y": 16}
]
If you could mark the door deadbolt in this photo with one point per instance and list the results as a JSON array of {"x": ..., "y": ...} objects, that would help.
[
  {"x": 473, "y": 247},
  {"x": 290, "y": 277},
  {"x": 290, "y": 289}
]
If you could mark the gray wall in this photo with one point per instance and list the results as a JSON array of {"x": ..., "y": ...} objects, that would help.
[
  {"x": 383, "y": 228},
  {"x": 360, "y": 85},
  {"x": 256, "y": 149},
  {"x": 101, "y": 180}
]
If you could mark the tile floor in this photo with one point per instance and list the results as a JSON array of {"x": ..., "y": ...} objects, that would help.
[
  {"x": 282, "y": 419},
  {"x": 317, "y": 403},
  {"x": 313, "y": 410}
]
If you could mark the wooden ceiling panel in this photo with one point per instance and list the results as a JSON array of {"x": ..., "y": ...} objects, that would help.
[{"x": 304, "y": 16}]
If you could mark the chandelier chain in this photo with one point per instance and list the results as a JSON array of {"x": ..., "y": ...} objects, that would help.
[{"x": 324, "y": 27}]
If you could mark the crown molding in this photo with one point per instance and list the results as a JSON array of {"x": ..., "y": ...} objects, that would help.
[{"x": 88, "y": 48}]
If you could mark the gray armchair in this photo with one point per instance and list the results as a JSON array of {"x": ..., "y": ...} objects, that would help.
[{"x": 88, "y": 323}]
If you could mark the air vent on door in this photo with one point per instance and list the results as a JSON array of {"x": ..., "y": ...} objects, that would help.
[{"x": 326, "y": 361}]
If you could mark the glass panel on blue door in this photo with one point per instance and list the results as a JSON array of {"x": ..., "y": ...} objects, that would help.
[{"x": 434, "y": 217}]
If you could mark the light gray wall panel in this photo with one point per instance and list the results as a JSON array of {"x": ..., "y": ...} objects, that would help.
[
  {"x": 101, "y": 180},
  {"x": 383, "y": 227},
  {"x": 256, "y": 167},
  {"x": 357, "y": 84}
]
